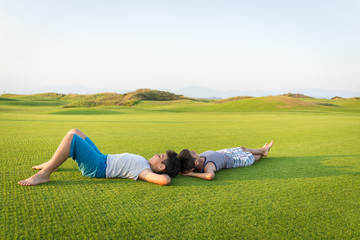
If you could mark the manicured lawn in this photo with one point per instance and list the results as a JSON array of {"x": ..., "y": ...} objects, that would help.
[{"x": 308, "y": 187}]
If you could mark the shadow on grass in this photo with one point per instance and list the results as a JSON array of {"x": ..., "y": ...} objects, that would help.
[
  {"x": 281, "y": 168},
  {"x": 294, "y": 167},
  {"x": 81, "y": 180},
  {"x": 269, "y": 168},
  {"x": 67, "y": 170}
]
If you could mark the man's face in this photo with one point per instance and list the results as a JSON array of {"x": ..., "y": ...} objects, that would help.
[
  {"x": 194, "y": 155},
  {"x": 197, "y": 157},
  {"x": 156, "y": 162}
]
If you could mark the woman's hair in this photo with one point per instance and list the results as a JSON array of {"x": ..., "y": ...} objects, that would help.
[
  {"x": 172, "y": 164},
  {"x": 187, "y": 162}
]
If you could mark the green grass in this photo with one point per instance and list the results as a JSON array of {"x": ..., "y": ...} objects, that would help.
[{"x": 308, "y": 187}]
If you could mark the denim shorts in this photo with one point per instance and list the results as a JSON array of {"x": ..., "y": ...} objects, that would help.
[{"x": 91, "y": 162}]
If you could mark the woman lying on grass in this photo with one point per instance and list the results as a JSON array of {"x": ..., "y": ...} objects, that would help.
[
  {"x": 92, "y": 163},
  {"x": 209, "y": 162}
]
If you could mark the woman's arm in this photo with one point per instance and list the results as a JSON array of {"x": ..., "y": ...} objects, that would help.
[{"x": 150, "y": 176}]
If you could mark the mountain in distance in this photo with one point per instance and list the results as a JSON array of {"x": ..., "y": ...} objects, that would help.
[
  {"x": 208, "y": 93},
  {"x": 203, "y": 92},
  {"x": 64, "y": 89},
  {"x": 77, "y": 89}
]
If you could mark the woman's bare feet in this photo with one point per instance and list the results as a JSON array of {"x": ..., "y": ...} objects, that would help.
[
  {"x": 266, "y": 148},
  {"x": 35, "y": 179},
  {"x": 41, "y": 166}
]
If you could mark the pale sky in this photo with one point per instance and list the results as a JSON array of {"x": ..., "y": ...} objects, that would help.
[{"x": 225, "y": 45}]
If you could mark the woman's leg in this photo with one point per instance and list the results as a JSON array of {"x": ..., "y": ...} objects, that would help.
[
  {"x": 80, "y": 134},
  {"x": 87, "y": 139},
  {"x": 90, "y": 163},
  {"x": 59, "y": 157}
]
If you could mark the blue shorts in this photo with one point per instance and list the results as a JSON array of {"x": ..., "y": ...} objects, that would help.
[
  {"x": 239, "y": 157},
  {"x": 91, "y": 162}
]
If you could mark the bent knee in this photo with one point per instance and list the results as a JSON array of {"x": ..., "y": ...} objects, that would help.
[
  {"x": 75, "y": 131},
  {"x": 70, "y": 135}
]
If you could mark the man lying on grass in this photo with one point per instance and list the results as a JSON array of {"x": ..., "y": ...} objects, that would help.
[
  {"x": 209, "y": 162},
  {"x": 92, "y": 163}
]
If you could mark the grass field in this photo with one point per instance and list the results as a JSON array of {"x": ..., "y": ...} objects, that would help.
[{"x": 308, "y": 187}]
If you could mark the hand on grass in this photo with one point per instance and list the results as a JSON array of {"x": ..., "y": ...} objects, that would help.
[{"x": 189, "y": 173}]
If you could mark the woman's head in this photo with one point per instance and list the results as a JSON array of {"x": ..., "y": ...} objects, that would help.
[{"x": 166, "y": 163}]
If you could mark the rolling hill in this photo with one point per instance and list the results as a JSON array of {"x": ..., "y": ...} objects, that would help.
[{"x": 154, "y": 100}]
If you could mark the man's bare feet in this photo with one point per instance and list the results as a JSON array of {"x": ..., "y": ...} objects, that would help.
[
  {"x": 41, "y": 166},
  {"x": 243, "y": 148},
  {"x": 35, "y": 179},
  {"x": 266, "y": 148}
]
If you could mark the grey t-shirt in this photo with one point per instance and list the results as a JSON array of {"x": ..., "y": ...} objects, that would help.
[
  {"x": 125, "y": 165},
  {"x": 220, "y": 160}
]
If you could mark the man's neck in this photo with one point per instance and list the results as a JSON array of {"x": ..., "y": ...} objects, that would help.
[{"x": 201, "y": 163}]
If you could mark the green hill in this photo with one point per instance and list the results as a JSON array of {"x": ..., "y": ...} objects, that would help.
[
  {"x": 162, "y": 101},
  {"x": 101, "y": 99},
  {"x": 271, "y": 103}
]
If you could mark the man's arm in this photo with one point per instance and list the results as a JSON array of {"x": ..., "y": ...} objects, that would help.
[
  {"x": 208, "y": 174},
  {"x": 150, "y": 176}
]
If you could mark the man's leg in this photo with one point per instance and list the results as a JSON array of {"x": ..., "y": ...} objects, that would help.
[
  {"x": 257, "y": 157},
  {"x": 59, "y": 157},
  {"x": 261, "y": 152}
]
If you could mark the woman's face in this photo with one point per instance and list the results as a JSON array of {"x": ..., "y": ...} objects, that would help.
[{"x": 156, "y": 162}]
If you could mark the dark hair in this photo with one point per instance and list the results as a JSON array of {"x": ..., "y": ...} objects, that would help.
[
  {"x": 172, "y": 164},
  {"x": 187, "y": 162}
]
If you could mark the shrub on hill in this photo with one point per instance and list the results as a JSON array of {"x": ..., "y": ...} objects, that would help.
[
  {"x": 155, "y": 95},
  {"x": 127, "y": 99},
  {"x": 295, "y": 95},
  {"x": 48, "y": 96},
  {"x": 233, "y": 99},
  {"x": 337, "y": 98}
]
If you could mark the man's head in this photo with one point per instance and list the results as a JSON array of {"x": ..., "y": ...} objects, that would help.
[
  {"x": 189, "y": 160},
  {"x": 166, "y": 163}
]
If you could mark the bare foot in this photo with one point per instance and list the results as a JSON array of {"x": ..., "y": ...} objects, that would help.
[
  {"x": 266, "y": 148},
  {"x": 35, "y": 179},
  {"x": 243, "y": 148},
  {"x": 41, "y": 166}
]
